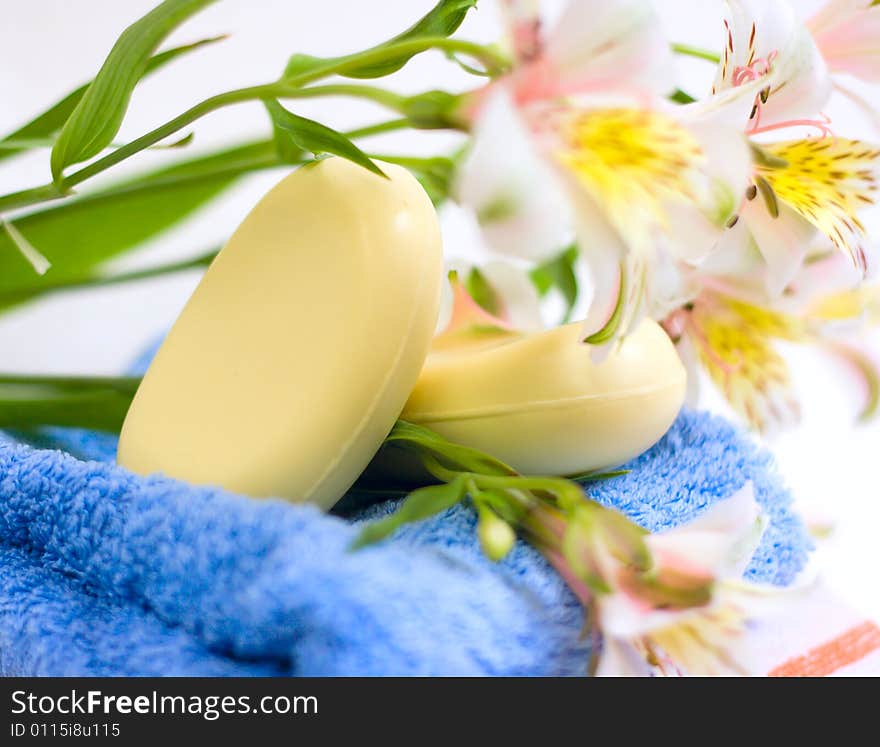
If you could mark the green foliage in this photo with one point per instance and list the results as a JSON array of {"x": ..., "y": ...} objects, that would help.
[
  {"x": 293, "y": 133},
  {"x": 79, "y": 234},
  {"x": 98, "y": 114},
  {"x": 418, "y": 505},
  {"x": 433, "y": 110},
  {"x": 98, "y": 403},
  {"x": 421, "y": 439},
  {"x": 559, "y": 273},
  {"x": 441, "y": 21},
  {"x": 479, "y": 289},
  {"x": 47, "y": 124}
]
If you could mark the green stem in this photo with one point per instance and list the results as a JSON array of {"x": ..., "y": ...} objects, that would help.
[
  {"x": 495, "y": 63},
  {"x": 372, "y": 93},
  {"x": 414, "y": 163},
  {"x": 169, "y": 128},
  {"x": 379, "y": 128},
  {"x": 30, "y": 196},
  {"x": 292, "y": 88},
  {"x": 701, "y": 54}
]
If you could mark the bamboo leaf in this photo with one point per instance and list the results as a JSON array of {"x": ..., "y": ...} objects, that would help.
[
  {"x": 78, "y": 235},
  {"x": 442, "y": 20},
  {"x": 306, "y": 134},
  {"x": 98, "y": 114},
  {"x": 40, "y": 131}
]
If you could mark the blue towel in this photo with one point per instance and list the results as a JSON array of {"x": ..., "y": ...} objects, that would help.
[{"x": 106, "y": 573}]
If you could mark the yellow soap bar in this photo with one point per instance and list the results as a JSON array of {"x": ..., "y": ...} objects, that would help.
[
  {"x": 541, "y": 404},
  {"x": 296, "y": 353}
]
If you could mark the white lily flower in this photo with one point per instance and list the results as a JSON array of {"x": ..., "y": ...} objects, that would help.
[
  {"x": 800, "y": 188},
  {"x": 767, "y": 44},
  {"x": 575, "y": 143},
  {"x": 710, "y": 640},
  {"x": 522, "y": 209},
  {"x": 640, "y": 636}
]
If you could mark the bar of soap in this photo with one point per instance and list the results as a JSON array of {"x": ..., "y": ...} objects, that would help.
[
  {"x": 541, "y": 404},
  {"x": 297, "y": 351}
]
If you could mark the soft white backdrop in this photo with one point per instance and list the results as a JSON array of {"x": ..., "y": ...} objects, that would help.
[{"x": 47, "y": 47}]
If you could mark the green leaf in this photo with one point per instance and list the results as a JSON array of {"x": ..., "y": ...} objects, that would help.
[
  {"x": 442, "y": 20},
  {"x": 98, "y": 114},
  {"x": 35, "y": 259},
  {"x": 92, "y": 280},
  {"x": 42, "y": 129},
  {"x": 79, "y": 234},
  {"x": 681, "y": 97},
  {"x": 420, "y": 504},
  {"x": 463, "y": 458},
  {"x": 598, "y": 476},
  {"x": 559, "y": 273},
  {"x": 479, "y": 289},
  {"x": 435, "y": 174},
  {"x": 98, "y": 403},
  {"x": 306, "y": 134}
]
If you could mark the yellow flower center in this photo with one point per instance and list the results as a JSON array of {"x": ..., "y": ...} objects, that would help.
[
  {"x": 631, "y": 161},
  {"x": 734, "y": 341},
  {"x": 827, "y": 181}
]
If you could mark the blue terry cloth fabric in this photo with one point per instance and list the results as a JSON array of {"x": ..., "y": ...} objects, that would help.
[{"x": 106, "y": 573}]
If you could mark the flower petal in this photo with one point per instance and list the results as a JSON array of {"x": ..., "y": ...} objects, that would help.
[
  {"x": 517, "y": 199},
  {"x": 518, "y": 297},
  {"x": 720, "y": 541},
  {"x": 765, "y": 41},
  {"x": 600, "y": 45},
  {"x": 619, "y": 658},
  {"x": 828, "y": 181},
  {"x": 523, "y": 21},
  {"x": 846, "y": 32},
  {"x": 735, "y": 344},
  {"x": 782, "y": 241}
]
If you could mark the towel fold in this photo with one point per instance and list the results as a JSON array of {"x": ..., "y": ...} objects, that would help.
[{"x": 108, "y": 573}]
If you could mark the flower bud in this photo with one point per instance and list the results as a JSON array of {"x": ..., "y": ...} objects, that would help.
[{"x": 496, "y": 535}]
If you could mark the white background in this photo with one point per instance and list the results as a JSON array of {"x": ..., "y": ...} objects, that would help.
[{"x": 47, "y": 47}]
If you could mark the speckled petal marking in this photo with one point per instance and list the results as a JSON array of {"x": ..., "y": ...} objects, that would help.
[{"x": 827, "y": 181}]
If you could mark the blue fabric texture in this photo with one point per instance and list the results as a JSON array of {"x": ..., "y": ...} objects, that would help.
[{"x": 103, "y": 572}]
